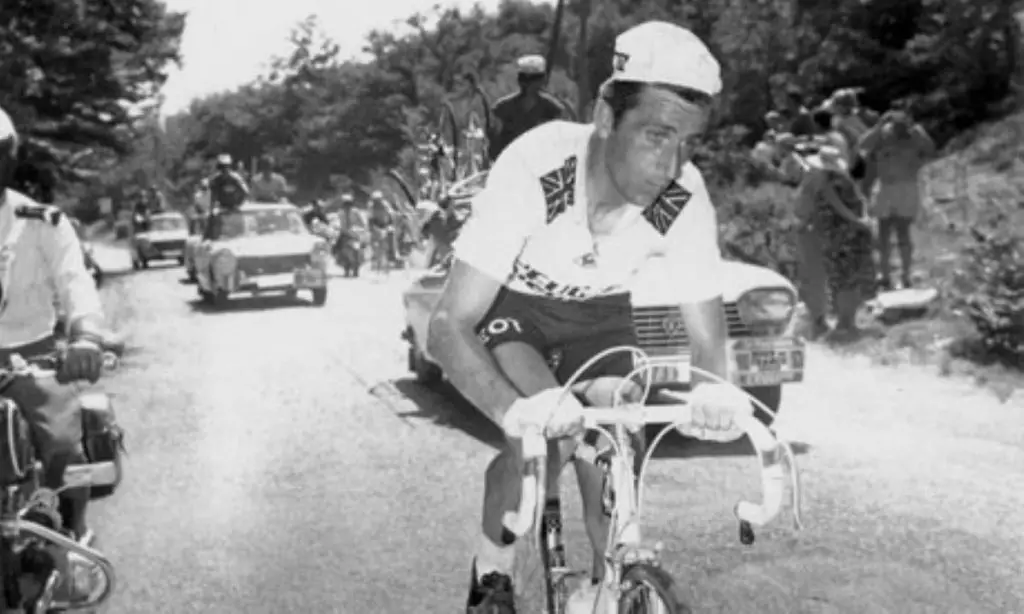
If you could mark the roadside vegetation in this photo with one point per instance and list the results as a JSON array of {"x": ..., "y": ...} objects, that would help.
[{"x": 90, "y": 112}]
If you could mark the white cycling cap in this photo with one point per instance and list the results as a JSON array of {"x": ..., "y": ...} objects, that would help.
[
  {"x": 531, "y": 65},
  {"x": 661, "y": 52},
  {"x": 224, "y": 159},
  {"x": 377, "y": 195}
]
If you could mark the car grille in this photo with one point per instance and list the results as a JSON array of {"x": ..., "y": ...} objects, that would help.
[
  {"x": 164, "y": 246},
  {"x": 272, "y": 265},
  {"x": 660, "y": 329}
]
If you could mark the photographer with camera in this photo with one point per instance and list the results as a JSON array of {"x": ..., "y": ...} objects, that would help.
[{"x": 898, "y": 148}]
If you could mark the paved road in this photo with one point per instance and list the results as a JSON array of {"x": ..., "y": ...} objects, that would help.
[{"x": 281, "y": 460}]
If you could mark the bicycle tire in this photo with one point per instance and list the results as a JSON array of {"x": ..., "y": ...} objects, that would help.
[{"x": 639, "y": 578}]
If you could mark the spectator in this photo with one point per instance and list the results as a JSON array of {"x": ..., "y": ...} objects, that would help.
[
  {"x": 835, "y": 242},
  {"x": 853, "y": 121},
  {"x": 793, "y": 115},
  {"x": 899, "y": 148},
  {"x": 829, "y": 136},
  {"x": 268, "y": 185}
]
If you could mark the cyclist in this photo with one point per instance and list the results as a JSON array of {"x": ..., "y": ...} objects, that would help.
[
  {"x": 538, "y": 286},
  {"x": 530, "y": 107},
  {"x": 351, "y": 236},
  {"x": 41, "y": 265}
]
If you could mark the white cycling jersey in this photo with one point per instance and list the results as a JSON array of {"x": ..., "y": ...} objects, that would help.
[{"x": 529, "y": 226}]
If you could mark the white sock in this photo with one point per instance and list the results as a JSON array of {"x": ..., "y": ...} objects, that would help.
[{"x": 491, "y": 557}]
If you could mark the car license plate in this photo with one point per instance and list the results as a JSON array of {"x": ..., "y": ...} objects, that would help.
[
  {"x": 274, "y": 281},
  {"x": 173, "y": 253},
  {"x": 768, "y": 361},
  {"x": 760, "y": 379}
]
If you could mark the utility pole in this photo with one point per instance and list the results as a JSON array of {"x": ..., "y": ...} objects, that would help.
[{"x": 582, "y": 65}]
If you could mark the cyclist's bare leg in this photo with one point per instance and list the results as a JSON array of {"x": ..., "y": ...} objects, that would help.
[{"x": 526, "y": 368}]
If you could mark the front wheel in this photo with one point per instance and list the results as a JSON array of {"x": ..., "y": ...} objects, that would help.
[
  {"x": 319, "y": 296},
  {"x": 647, "y": 589}
]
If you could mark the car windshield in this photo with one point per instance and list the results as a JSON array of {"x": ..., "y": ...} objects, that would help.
[
  {"x": 261, "y": 222},
  {"x": 167, "y": 223}
]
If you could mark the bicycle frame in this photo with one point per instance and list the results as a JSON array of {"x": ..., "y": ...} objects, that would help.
[{"x": 624, "y": 546}]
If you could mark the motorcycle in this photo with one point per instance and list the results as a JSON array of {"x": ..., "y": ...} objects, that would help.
[
  {"x": 31, "y": 531},
  {"x": 348, "y": 253}
]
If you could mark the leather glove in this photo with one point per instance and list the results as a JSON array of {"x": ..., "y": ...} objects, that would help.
[
  {"x": 83, "y": 361},
  {"x": 715, "y": 407},
  {"x": 554, "y": 413}
]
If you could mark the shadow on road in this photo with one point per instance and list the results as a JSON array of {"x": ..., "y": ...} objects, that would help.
[
  {"x": 249, "y": 303},
  {"x": 446, "y": 407}
]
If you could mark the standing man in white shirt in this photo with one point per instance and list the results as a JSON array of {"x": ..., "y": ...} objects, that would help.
[
  {"x": 539, "y": 284},
  {"x": 41, "y": 256}
]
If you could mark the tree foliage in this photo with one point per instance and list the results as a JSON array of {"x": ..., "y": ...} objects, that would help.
[
  {"x": 73, "y": 76},
  {"x": 324, "y": 118}
]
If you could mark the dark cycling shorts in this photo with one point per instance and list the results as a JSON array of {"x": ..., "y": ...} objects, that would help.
[{"x": 566, "y": 333}]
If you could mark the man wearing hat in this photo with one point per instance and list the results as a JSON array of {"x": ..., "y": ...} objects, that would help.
[
  {"x": 538, "y": 285},
  {"x": 228, "y": 189},
  {"x": 530, "y": 107}
]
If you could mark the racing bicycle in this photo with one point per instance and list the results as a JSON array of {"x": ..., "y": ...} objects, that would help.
[
  {"x": 31, "y": 531},
  {"x": 634, "y": 581}
]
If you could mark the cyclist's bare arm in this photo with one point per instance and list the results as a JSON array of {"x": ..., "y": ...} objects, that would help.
[
  {"x": 695, "y": 259},
  {"x": 452, "y": 341},
  {"x": 706, "y": 326}
]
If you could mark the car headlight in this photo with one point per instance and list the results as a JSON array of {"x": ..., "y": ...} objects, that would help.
[
  {"x": 766, "y": 306},
  {"x": 320, "y": 254},
  {"x": 224, "y": 263}
]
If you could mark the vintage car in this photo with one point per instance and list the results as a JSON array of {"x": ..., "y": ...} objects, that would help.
[
  {"x": 164, "y": 239},
  {"x": 759, "y": 307},
  {"x": 260, "y": 248}
]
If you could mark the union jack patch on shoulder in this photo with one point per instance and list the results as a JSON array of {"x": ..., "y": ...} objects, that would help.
[
  {"x": 667, "y": 207},
  {"x": 559, "y": 188}
]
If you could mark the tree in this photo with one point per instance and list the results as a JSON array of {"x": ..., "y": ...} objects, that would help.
[{"x": 73, "y": 76}]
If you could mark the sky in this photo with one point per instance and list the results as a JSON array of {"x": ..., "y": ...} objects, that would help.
[{"x": 229, "y": 42}]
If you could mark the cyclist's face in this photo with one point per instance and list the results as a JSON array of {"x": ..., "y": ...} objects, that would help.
[{"x": 652, "y": 143}]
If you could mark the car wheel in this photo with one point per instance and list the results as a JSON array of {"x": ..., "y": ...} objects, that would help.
[
  {"x": 290, "y": 294},
  {"x": 427, "y": 373},
  {"x": 220, "y": 298},
  {"x": 771, "y": 396},
  {"x": 181, "y": 261},
  {"x": 319, "y": 296}
]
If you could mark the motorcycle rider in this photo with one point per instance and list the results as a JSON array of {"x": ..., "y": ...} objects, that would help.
[
  {"x": 526, "y": 109},
  {"x": 352, "y": 226},
  {"x": 228, "y": 189},
  {"x": 40, "y": 257},
  {"x": 269, "y": 185}
]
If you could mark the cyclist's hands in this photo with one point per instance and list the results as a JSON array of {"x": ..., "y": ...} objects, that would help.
[
  {"x": 609, "y": 391},
  {"x": 551, "y": 411},
  {"x": 715, "y": 407},
  {"x": 83, "y": 361}
]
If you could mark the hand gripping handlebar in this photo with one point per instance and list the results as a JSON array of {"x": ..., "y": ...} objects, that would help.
[{"x": 777, "y": 463}]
